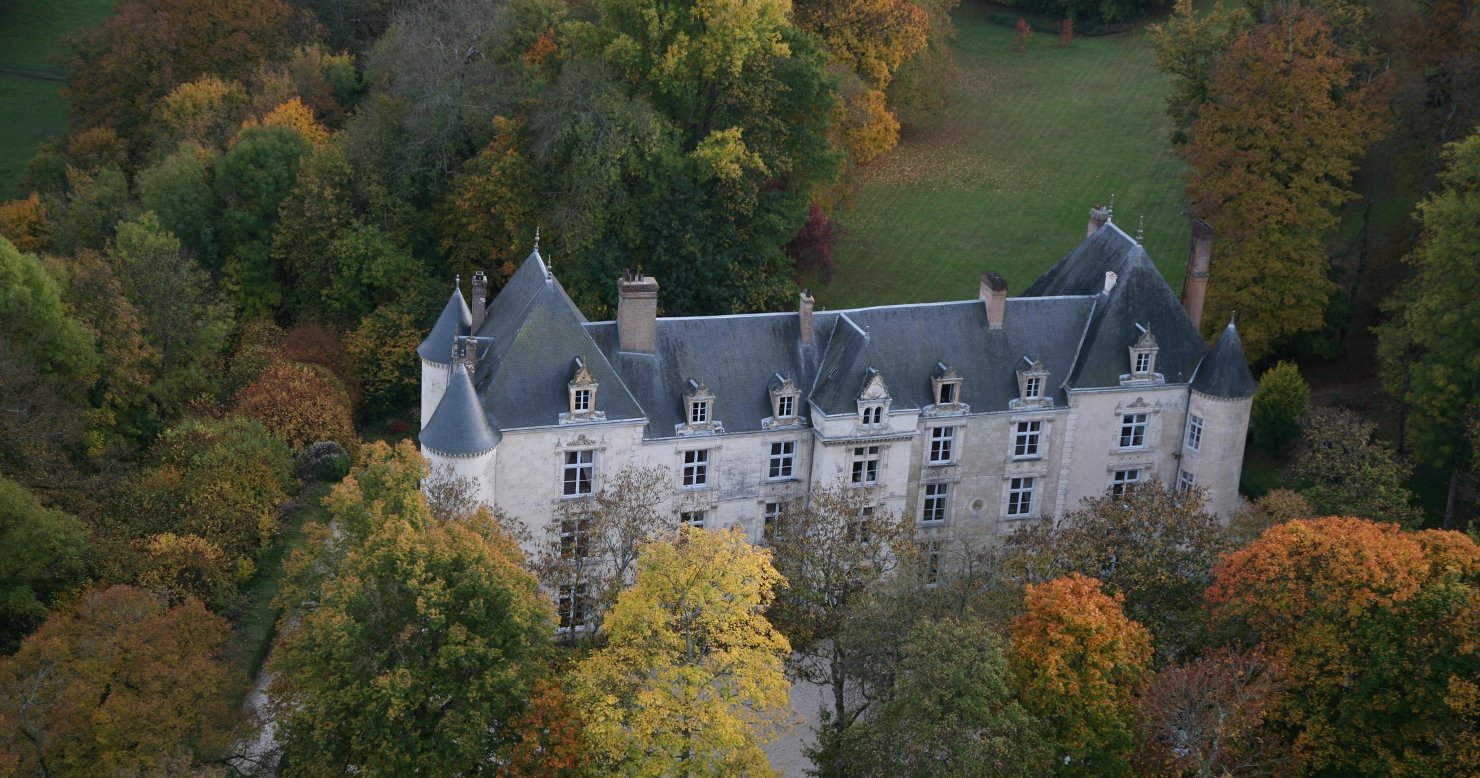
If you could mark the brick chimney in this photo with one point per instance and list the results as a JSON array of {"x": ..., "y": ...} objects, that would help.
[
  {"x": 1098, "y": 215},
  {"x": 480, "y": 299},
  {"x": 1195, "y": 283},
  {"x": 804, "y": 316},
  {"x": 994, "y": 294},
  {"x": 637, "y": 313}
]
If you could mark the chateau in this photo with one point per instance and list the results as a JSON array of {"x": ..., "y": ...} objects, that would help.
[{"x": 970, "y": 416}]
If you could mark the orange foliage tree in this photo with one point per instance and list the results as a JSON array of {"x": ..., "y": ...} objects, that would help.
[
  {"x": 547, "y": 736},
  {"x": 123, "y": 686},
  {"x": 24, "y": 223},
  {"x": 1077, "y": 662},
  {"x": 301, "y": 405},
  {"x": 1380, "y": 629}
]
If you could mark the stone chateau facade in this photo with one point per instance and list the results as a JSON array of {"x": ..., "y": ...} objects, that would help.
[{"x": 971, "y": 416}]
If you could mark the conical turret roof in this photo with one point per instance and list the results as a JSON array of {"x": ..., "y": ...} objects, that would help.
[
  {"x": 456, "y": 319},
  {"x": 459, "y": 426},
  {"x": 1224, "y": 372}
]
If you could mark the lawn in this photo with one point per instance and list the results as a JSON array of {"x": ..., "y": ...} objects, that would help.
[
  {"x": 1003, "y": 177},
  {"x": 29, "y": 82}
]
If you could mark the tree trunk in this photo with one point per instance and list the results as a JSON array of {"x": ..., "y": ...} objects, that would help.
[{"x": 1449, "y": 500}]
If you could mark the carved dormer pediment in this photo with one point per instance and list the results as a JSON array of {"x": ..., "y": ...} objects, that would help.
[
  {"x": 874, "y": 387},
  {"x": 582, "y": 389}
]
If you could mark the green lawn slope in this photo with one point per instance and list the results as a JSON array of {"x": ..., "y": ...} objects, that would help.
[{"x": 1003, "y": 177}]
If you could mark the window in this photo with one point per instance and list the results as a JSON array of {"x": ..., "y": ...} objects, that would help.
[
  {"x": 941, "y": 440},
  {"x": 865, "y": 465},
  {"x": 933, "y": 511},
  {"x": 947, "y": 394},
  {"x": 770, "y": 519},
  {"x": 1194, "y": 433},
  {"x": 578, "y": 472},
  {"x": 947, "y": 383},
  {"x": 930, "y": 552},
  {"x": 1032, "y": 388},
  {"x": 860, "y": 528},
  {"x": 696, "y": 468},
  {"x": 699, "y": 406},
  {"x": 1184, "y": 481},
  {"x": 783, "y": 456},
  {"x": 581, "y": 402},
  {"x": 1133, "y": 430},
  {"x": 1143, "y": 362},
  {"x": 693, "y": 519},
  {"x": 873, "y": 415},
  {"x": 786, "y": 406},
  {"x": 1031, "y": 382},
  {"x": 575, "y": 537},
  {"x": 571, "y": 604},
  {"x": 1020, "y": 496},
  {"x": 1124, "y": 481},
  {"x": 1025, "y": 439},
  {"x": 1143, "y": 356},
  {"x": 698, "y": 412},
  {"x": 582, "y": 394},
  {"x": 784, "y": 395}
]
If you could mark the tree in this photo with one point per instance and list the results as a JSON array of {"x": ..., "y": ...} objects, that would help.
[
  {"x": 485, "y": 216},
  {"x": 691, "y": 681},
  {"x": 205, "y": 112},
  {"x": 119, "y": 70},
  {"x": 1191, "y": 51},
  {"x": 31, "y": 313},
  {"x": 178, "y": 190},
  {"x": 549, "y": 742},
  {"x": 24, "y": 223},
  {"x": 951, "y": 712},
  {"x": 415, "y": 643},
  {"x": 831, "y": 550},
  {"x": 1269, "y": 184},
  {"x": 1077, "y": 662},
  {"x": 1349, "y": 472},
  {"x": 1276, "y": 507},
  {"x": 1279, "y": 407},
  {"x": 1437, "y": 322},
  {"x": 1376, "y": 626},
  {"x": 45, "y": 555},
  {"x": 184, "y": 566},
  {"x": 122, "y": 685},
  {"x": 318, "y": 211},
  {"x": 300, "y": 405},
  {"x": 375, "y": 347},
  {"x": 252, "y": 180},
  {"x": 1152, "y": 546},
  {"x": 94, "y": 202},
  {"x": 1211, "y": 718}
]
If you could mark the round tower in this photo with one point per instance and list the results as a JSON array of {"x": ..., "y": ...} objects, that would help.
[
  {"x": 1217, "y": 425},
  {"x": 436, "y": 351},
  {"x": 459, "y": 440}
]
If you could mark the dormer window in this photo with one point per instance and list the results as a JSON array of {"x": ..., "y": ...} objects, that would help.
[
  {"x": 582, "y": 395},
  {"x": 873, "y": 400},
  {"x": 698, "y": 405},
  {"x": 698, "y": 411},
  {"x": 1143, "y": 357},
  {"x": 1032, "y": 385},
  {"x": 947, "y": 385},
  {"x": 785, "y": 398}
]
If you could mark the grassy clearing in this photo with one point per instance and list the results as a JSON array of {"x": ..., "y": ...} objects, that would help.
[
  {"x": 33, "y": 106},
  {"x": 1002, "y": 178}
]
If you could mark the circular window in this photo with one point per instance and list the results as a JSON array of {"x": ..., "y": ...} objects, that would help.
[{"x": 976, "y": 505}]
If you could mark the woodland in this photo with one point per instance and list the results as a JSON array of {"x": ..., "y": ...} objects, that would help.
[{"x": 213, "y": 281}]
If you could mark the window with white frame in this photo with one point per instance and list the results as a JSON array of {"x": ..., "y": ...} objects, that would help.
[
  {"x": 942, "y": 445},
  {"x": 582, "y": 388},
  {"x": 1143, "y": 356},
  {"x": 782, "y": 460},
  {"x": 580, "y": 401},
  {"x": 571, "y": 605},
  {"x": 696, "y": 468},
  {"x": 770, "y": 520},
  {"x": 1032, "y": 387},
  {"x": 1032, "y": 381},
  {"x": 933, "y": 509},
  {"x": 1194, "y": 433},
  {"x": 698, "y": 411},
  {"x": 1124, "y": 481},
  {"x": 1025, "y": 439},
  {"x": 786, "y": 406},
  {"x": 575, "y": 537},
  {"x": 1020, "y": 496},
  {"x": 860, "y": 528},
  {"x": 1184, "y": 481},
  {"x": 1133, "y": 430},
  {"x": 930, "y": 551},
  {"x": 693, "y": 519},
  {"x": 865, "y": 465},
  {"x": 784, "y": 397},
  {"x": 579, "y": 473}
]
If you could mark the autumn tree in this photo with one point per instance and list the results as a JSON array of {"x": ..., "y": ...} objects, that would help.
[
  {"x": 414, "y": 642},
  {"x": 951, "y": 711},
  {"x": 24, "y": 223},
  {"x": 300, "y": 404},
  {"x": 206, "y": 112},
  {"x": 1190, "y": 49},
  {"x": 390, "y": 383},
  {"x": 1279, "y": 407},
  {"x": 1269, "y": 186},
  {"x": 1376, "y": 627},
  {"x": 548, "y": 738},
  {"x": 1077, "y": 662},
  {"x": 1349, "y": 472},
  {"x": 183, "y": 566},
  {"x": 591, "y": 545},
  {"x": 251, "y": 181},
  {"x": 1276, "y": 506},
  {"x": 123, "y": 684},
  {"x": 45, "y": 555},
  {"x": 1152, "y": 546},
  {"x": 1210, "y": 717},
  {"x": 1436, "y": 323},
  {"x": 691, "y": 680},
  {"x": 486, "y": 215}
]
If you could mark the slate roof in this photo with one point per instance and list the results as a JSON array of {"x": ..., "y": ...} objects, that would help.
[
  {"x": 455, "y": 320},
  {"x": 460, "y": 425},
  {"x": 1224, "y": 372}
]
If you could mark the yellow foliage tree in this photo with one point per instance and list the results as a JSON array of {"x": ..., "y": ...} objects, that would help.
[
  {"x": 205, "y": 110},
  {"x": 23, "y": 222},
  {"x": 691, "y": 682},
  {"x": 292, "y": 115}
]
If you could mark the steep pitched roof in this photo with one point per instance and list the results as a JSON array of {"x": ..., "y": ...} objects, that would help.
[
  {"x": 1224, "y": 372},
  {"x": 455, "y": 320},
  {"x": 460, "y": 425}
]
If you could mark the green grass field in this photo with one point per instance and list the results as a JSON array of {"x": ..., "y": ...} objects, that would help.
[
  {"x": 32, "y": 106},
  {"x": 1002, "y": 179}
]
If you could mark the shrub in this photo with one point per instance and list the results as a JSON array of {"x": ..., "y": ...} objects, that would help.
[
  {"x": 301, "y": 405},
  {"x": 324, "y": 460},
  {"x": 1279, "y": 407}
]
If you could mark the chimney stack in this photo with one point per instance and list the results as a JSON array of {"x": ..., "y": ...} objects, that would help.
[
  {"x": 1098, "y": 215},
  {"x": 1195, "y": 283},
  {"x": 637, "y": 313},
  {"x": 480, "y": 300},
  {"x": 804, "y": 316},
  {"x": 465, "y": 354},
  {"x": 994, "y": 294},
  {"x": 1110, "y": 279}
]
